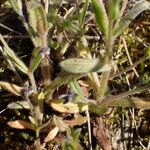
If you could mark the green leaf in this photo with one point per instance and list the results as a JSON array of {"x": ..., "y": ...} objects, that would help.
[
  {"x": 130, "y": 15},
  {"x": 17, "y": 6},
  {"x": 67, "y": 24},
  {"x": 75, "y": 87},
  {"x": 37, "y": 58},
  {"x": 100, "y": 15},
  {"x": 114, "y": 7},
  {"x": 13, "y": 57},
  {"x": 37, "y": 18},
  {"x": 148, "y": 52},
  {"x": 62, "y": 79},
  {"x": 83, "y": 12},
  {"x": 75, "y": 65},
  {"x": 96, "y": 109},
  {"x": 53, "y": 10},
  {"x": 133, "y": 102},
  {"x": 73, "y": 142}
]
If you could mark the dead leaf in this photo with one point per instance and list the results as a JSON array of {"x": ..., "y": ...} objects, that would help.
[
  {"x": 51, "y": 135},
  {"x": 82, "y": 83},
  {"x": 60, "y": 123},
  {"x": 85, "y": 91},
  {"x": 12, "y": 88},
  {"x": 20, "y": 124},
  {"x": 76, "y": 121},
  {"x": 70, "y": 107}
]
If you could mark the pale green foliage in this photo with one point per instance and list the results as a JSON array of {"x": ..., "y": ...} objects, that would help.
[{"x": 75, "y": 65}]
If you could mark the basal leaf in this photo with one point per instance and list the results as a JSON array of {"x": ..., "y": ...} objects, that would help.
[
  {"x": 114, "y": 7},
  {"x": 16, "y": 5},
  {"x": 76, "y": 65}
]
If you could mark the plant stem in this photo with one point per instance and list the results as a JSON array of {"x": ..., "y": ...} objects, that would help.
[
  {"x": 89, "y": 129},
  {"x": 33, "y": 82},
  {"x": 108, "y": 56}
]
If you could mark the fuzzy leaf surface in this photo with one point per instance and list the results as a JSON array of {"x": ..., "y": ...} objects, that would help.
[{"x": 77, "y": 65}]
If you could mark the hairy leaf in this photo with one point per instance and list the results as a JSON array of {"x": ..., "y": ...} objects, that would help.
[
  {"x": 76, "y": 65},
  {"x": 67, "y": 24},
  {"x": 83, "y": 12},
  {"x": 133, "y": 102},
  {"x": 63, "y": 78},
  {"x": 100, "y": 15}
]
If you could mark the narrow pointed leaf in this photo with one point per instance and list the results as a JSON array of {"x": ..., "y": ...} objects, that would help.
[
  {"x": 75, "y": 65},
  {"x": 114, "y": 7},
  {"x": 132, "y": 102},
  {"x": 67, "y": 24},
  {"x": 100, "y": 15},
  {"x": 37, "y": 58},
  {"x": 37, "y": 17},
  {"x": 13, "y": 57},
  {"x": 76, "y": 87},
  {"x": 83, "y": 12}
]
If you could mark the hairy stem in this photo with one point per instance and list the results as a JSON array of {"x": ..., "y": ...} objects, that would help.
[{"x": 108, "y": 56}]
